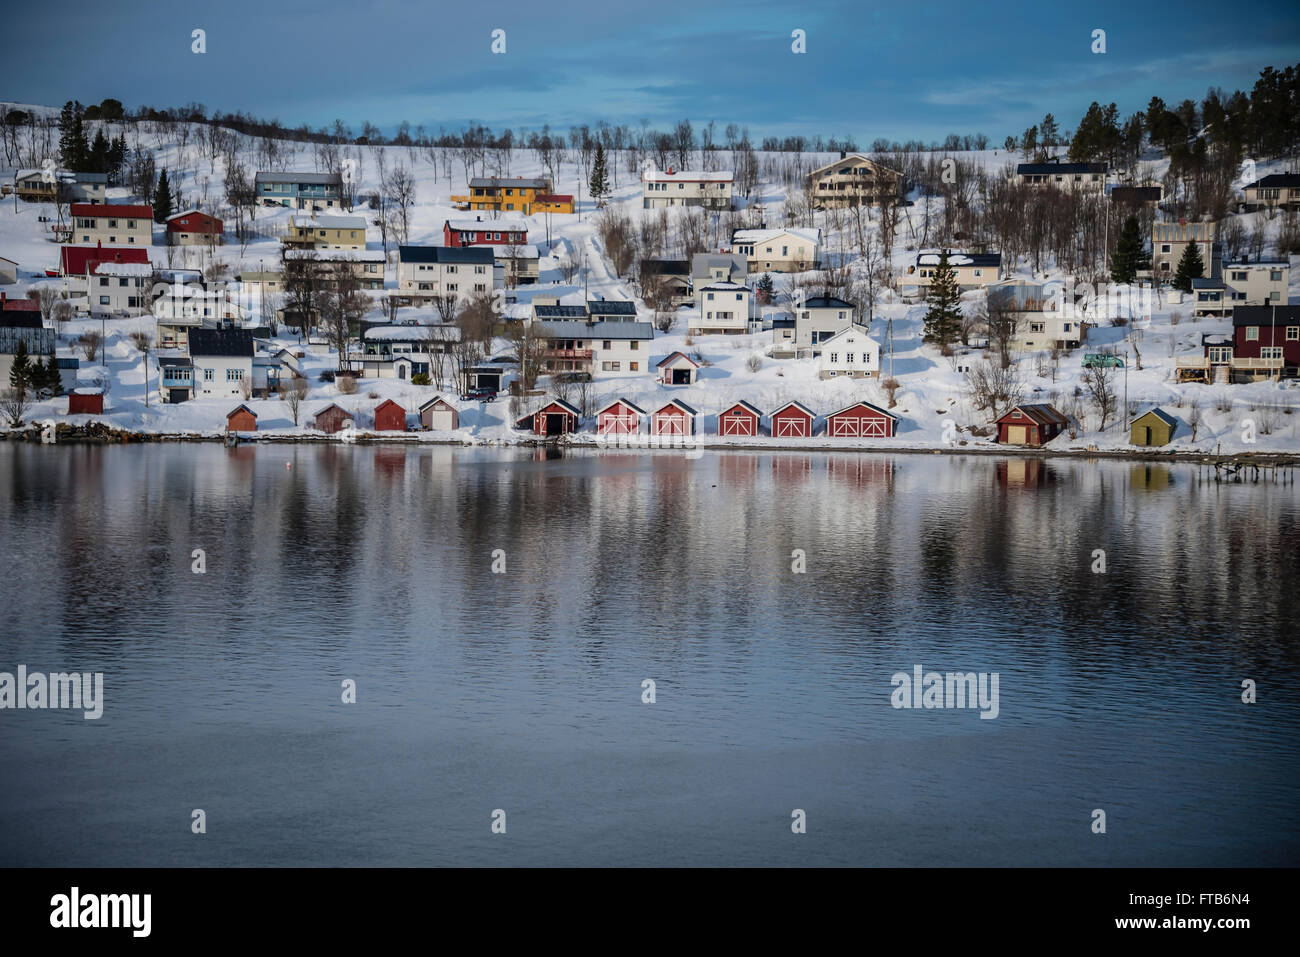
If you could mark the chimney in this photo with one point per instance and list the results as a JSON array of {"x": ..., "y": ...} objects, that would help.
[{"x": 844, "y": 154}]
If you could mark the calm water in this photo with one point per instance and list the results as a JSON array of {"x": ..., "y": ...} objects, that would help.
[{"x": 522, "y": 691}]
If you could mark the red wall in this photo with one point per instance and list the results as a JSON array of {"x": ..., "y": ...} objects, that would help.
[
  {"x": 241, "y": 421},
  {"x": 85, "y": 404},
  {"x": 390, "y": 417}
]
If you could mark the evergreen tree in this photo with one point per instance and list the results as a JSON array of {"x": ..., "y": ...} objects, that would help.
[
  {"x": 162, "y": 199},
  {"x": 53, "y": 384},
  {"x": 116, "y": 159},
  {"x": 943, "y": 318},
  {"x": 1129, "y": 254},
  {"x": 765, "y": 288},
  {"x": 99, "y": 153},
  {"x": 21, "y": 373},
  {"x": 74, "y": 152},
  {"x": 599, "y": 184},
  {"x": 1190, "y": 267}
]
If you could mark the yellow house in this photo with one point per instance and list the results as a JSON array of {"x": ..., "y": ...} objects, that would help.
[
  {"x": 553, "y": 203},
  {"x": 325, "y": 232},
  {"x": 511, "y": 195}
]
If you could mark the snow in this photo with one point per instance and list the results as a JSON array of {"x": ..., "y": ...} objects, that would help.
[{"x": 932, "y": 392}]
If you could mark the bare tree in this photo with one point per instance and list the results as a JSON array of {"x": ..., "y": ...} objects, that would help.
[
  {"x": 1099, "y": 386},
  {"x": 994, "y": 388},
  {"x": 293, "y": 394},
  {"x": 14, "y": 404}
]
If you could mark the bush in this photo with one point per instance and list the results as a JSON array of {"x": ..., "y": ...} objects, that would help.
[
  {"x": 347, "y": 383},
  {"x": 420, "y": 378}
]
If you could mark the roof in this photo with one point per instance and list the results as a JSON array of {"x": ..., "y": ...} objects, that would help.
[
  {"x": 686, "y": 176},
  {"x": 554, "y": 197},
  {"x": 1207, "y": 284},
  {"x": 39, "y": 342},
  {"x": 446, "y": 332},
  {"x": 1258, "y": 264},
  {"x": 596, "y": 330},
  {"x": 291, "y": 176},
  {"x": 1275, "y": 180},
  {"x": 665, "y": 267},
  {"x": 855, "y": 158},
  {"x": 221, "y": 342},
  {"x": 1160, "y": 414},
  {"x": 121, "y": 210},
  {"x": 560, "y": 312},
  {"x": 26, "y": 304},
  {"x": 567, "y": 406},
  {"x": 852, "y": 328},
  {"x": 192, "y": 212},
  {"x": 1265, "y": 315},
  {"x": 327, "y": 222},
  {"x": 827, "y": 302},
  {"x": 930, "y": 257},
  {"x": 336, "y": 255},
  {"x": 674, "y": 356},
  {"x": 435, "y": 400},
  {"x": 333, "y": 405},
  {"x": 490, "y": 226},
  {"x": 101, "y": 267},
  {"x": 388, "y": 402},
  {"x": 752, "y": 409},
  {"x": 622, "y": 401},
  {"x": 75, "y": 259},
  {"x": 515, "y": 181},
  {"x": 1136, "y": 194},
  {"x": 868, "y": 405},
  {"x": 1041, "y": 413},
  {"x": 611, "y": 307},
  {"x": 241, "y": 408},
  {"x": 798, "y": 405},
  {"x": 1037, "y": 169},
  {"x": 813, "y": 235},
  {"x": 679, "y": 404},
  {"x": 724, "y": 286},
  {"x": 445, "y": 254}
]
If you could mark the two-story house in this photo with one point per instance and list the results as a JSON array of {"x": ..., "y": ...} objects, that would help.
[
  {"x": 65, "y": 186},
  {"x": 367, "y": 265},
  {"x": 1170, "y": 240},
  {"x": 194, "y": 228},
  {"x": 402, "y": 351},
  {"x": 854, "y": 180},
  {"x": 1265, "y": 344},
  {"x": 1038, "y": 315},
  {"x": 325, "y": 232},
  {"x": 1088, "y": 177},
  {"x": 778, "y": 250},
  {"x": 817, "y": 319},
  {"x": 850, "y": 352},
  {"x": 661, "y": 189},
  {"x": 513, "y": 194},
  {"x": 118, "y": 289},
  {"x": 971, "y": 270},
  {"x": 1276, "y": 191},
  {"x": 1264, "y": 283},
  {"x": 121, "y": 224},
  {"x": 599, "y": 349},
  {"x": 426, "y": 273},
  {"x": 222, "y": 359},
  {"x": 477, "y": 232},
  {"x": 299, "y": 190},
  {"x": 722, "y": 307}
]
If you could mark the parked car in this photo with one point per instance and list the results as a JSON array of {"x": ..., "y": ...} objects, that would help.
[
  {"x": 478, "y": 395},
  {"x": 1102, "y": 360}
]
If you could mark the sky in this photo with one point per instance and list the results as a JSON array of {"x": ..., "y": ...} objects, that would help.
[{"x": 894, "y": 70}]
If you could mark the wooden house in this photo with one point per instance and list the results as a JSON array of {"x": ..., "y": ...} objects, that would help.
[
  {"x": 1153, "y": 427},
  {"x": 390, "y": 417},
  {"x": 678, "y": 369},
  {"x": 439, "y": 415},
  {"x": 741, "y": 419},
  {"x": 1030, "y": 424},
  {"x": 619, "y": 417},
  {"x": 331, "y": 419},
  {"x": 86, "y": 402},
  {"x": 557, "y": 417},
  {"x": 861, "y": 420},
  {"x": 674, "y": 418},
  {"x": 793, "y": 421},
  {"x": 241, "y": 419}
]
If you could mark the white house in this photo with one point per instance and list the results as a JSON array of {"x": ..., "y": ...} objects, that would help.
[
  {"x": 817, "y": 319},
  {"x": 721, "y": 307},
  {"x": 778, "y": 250},
  {"x": 599, "y": 349},
  {"x": 425, "y": 273},
  {"x": 118, "y": 289},
  {"x": 222, "y": 359},
  {"x": 850, "y": 352},
  {"x": 114, "y": 224},
  {"x": 685, "y": 188}
]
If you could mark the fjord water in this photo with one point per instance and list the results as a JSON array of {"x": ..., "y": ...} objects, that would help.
[{"x": 522, "y": 691}]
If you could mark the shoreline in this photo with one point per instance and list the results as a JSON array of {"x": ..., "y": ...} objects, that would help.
[{"x": 98, "y": 434}]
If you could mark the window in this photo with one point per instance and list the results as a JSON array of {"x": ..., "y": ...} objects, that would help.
[
  {"x": 209, "y": 375},
  {"x": 605, "y": 344},
  {"x": 634, "y": 345},
  {"x": 122, "y": 282},
  {"x": 1239, "y": 277},
  {"x": 1275, "y": 275},
  {"x": 1252, "y": 333},
  {"x": 103, "y": 281},
  {"x": 1036, "y": 327},
  {"x": 634, "y": 366},
  {"x": 234, "y": 375},
  {"x": 1164, "y": 248},
  {"x": 103, "y": 300},
  {"x": 1270, "y": 352},
  {"x": 1292, "y": 333}
]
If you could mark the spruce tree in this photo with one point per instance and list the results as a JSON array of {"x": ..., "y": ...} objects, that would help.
[
  {"x": 53, "y": 384},
  {"x": 765, "y": 288},
  {"x": 1129, "y": 255},
  {"x": 599, "y": 184},
  {"x": 99, "y": 153},
  {"x": 1190, "y": 267},
  {"x": 73, "y": 149},
  {"x": 20, "y": 373},
  {"x": 162, "y": 199},
  {"x": 943, "y": 318}
]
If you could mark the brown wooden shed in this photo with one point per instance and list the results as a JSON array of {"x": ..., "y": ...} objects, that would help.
[
  {"x": 241, "y": 419},
  {"x": 390, "y": 417},
  {"x": 331, "y": 419}
]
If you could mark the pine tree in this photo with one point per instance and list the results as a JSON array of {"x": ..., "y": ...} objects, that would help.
[
  {"x": 116, "y": 159},
  {"x": 53, "y": 382},
  {"x": 99, "y": 153},
  {"x": 943, "y": 318},
  {"x": 1129, "y": 254},
  {"x": 73, "y": 149},
  {"x": 1190, "y": 267},
  {"x": 20, "y": 373},
  {"x": 162, "y": 199},
  {"x": 765, "y": 288},
  {"x": 599, "y": 184}
]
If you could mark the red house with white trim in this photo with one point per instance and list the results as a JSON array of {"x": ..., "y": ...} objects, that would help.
[
  {"x": 193, "y": 228},
  {"x": 793, "y": 421},
  {"x": 557, "y": 417},
  {"x": 390, "y": 417},
  {"x": 741, "y": 419},
  {"x": 1031, "y": 424},
  {"x": 674, "y": 418},
  {"x": 620, "y": 417},
  {"x": 861, "y": 420},
  {"x": 476, "y": 232}
]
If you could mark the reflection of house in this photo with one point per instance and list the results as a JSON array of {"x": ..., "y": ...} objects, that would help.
[
  {"x": 854, "y": 180},
  {"x": 1030, "y": 424}
]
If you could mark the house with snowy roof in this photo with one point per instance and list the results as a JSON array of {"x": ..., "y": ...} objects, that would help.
[
  {"x": 513, "y": 194},
  {"x": 1090, "y": 177},
  {"x": 850, "y": 352},
  {"x": 970, "y": 270},
  {"x": 298, "y": 189},
  {"x": 1275, "y": 191},
  {"x": 722, "y": 307},
  {"x": 595, "y": 349},
  {"x": 222, "y": 359},
  {"x": 854, "y": 180},
  {"x": 778, "y": 250},
  {"x": 661, "y": 189},
  {"x": 45, "y": 186},
  {"x": 325, "y": 232},
  {"x": 478, "y": 232},
  {"x": 403, "y": 351},
  {"x": 118, "y": 288}
]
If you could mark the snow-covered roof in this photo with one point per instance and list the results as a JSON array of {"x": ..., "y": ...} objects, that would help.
[
  {"x": 440, "y": 333},
  {"x": 687, "y": 176},
  {"x": 327, "y": 222},
  {"x": 724, "y": 286},
  {"x": 813, "y": 235},
  {"x": 334, "y": 255},
  {"x": 103, "y": 268},
  {"x": 930, "y": 257},
  {"x": 488, "y": 226}
]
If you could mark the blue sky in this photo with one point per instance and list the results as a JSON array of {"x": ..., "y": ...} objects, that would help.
[{"x": 899, "y": 71}]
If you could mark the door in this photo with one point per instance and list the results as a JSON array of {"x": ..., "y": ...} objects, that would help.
[
  {"x": 555, "y": 423},
  {"x": 790, "y": 428},
  {"x": 1016, "y": 434},
  {"x": 681, "y": 377},
  {"x": 1148, "y": 435}
]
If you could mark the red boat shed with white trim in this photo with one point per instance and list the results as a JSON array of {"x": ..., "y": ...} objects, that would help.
[
  {"x": 674, "y": 418},
  {"x": 741, "y": 419},
  {"x": 620, "y": 417},
  {"x": 861, "y": 420},
  {"x": 793, "y": 421}
]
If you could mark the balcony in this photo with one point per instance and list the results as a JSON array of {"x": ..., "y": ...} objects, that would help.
[{"x": 579, "y": 354}]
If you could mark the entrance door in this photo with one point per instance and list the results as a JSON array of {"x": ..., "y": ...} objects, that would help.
[
  {"x": 1016, "y": 434},
  {"x": 681, "y": 377},
  {"x": 555, "y": 423}
]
